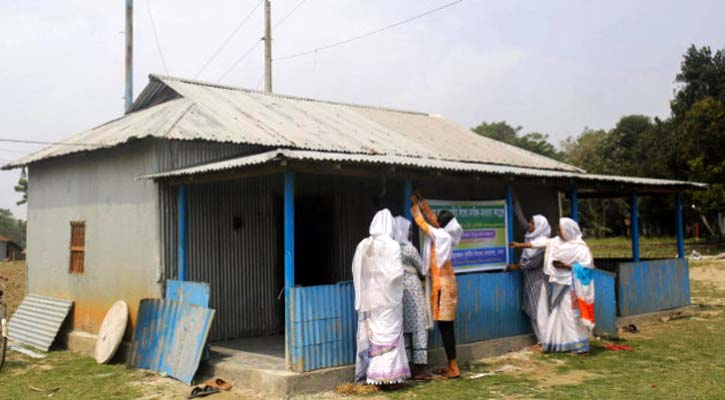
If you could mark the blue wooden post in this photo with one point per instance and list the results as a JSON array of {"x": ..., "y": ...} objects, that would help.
[
  {"x": 509, "y": 194},
  {"x": 574, "y": 200},
  {"x": 678, "y": 226},
  {"x": 183, "y": 241},
  {"x": 635, "y": 226},
  {"x": 289, "y": 255},
  {"x": 407, "y": 193}
]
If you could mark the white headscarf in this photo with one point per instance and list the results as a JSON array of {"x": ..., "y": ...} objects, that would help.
[
  {"x": 542, "y": 230},
  {"x": 444, "y": 239},
  {"x": 401, "y": 230},
  {"x": 568, "y": 249},
  {"x": 377, "y": 269}
]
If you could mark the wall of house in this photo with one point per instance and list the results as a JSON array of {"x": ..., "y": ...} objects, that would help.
[{"x": 122, "y": 257}]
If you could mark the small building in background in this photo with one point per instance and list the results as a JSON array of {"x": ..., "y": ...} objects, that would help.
[{"x": 10, "y": 251}]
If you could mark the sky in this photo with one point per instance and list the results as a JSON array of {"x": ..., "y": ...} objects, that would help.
[{"x": 552, "y": 66}]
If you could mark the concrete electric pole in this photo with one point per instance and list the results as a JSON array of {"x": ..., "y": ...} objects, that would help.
[
  {"x": 129, "y": 55},
  {"x": 267, "y": 47}
]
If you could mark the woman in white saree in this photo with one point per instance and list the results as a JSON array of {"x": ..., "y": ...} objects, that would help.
[
  {"x": 567, "y": 301},
  {"x": 377, "y": 272}
]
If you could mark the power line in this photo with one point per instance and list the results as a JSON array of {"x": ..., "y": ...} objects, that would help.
[
  {"x": 42, "y": 142},
  {"x": 14, "y": 151},
  {"x": 156, "y": 35},
  {"x": 228, "y": 39},
  {"x": 281, "y": 21},
  {"x": 352, "y": 39},
  {"x": 239, "y": 60}
]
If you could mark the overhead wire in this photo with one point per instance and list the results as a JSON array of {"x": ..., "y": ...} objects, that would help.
[
  {"x": 22, "y": 141},
  {"x": 156, "y": 36},
  {"x": 239, "y": 60},
  {"x": 364, "y": 35},
  {"x": 281, "y": 21},
  {"x": 228, "y": 39},
  {"x": 256, "y": 43}
]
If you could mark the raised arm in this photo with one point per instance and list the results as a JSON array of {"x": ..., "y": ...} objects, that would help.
[
  {"x": 418, "y": 218},
  {"x": 429, "y": 214},
  {"x": 520, "y": 217}
]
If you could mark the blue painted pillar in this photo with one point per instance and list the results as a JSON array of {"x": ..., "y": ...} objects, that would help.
[
  {"x": 635, "y": 226},
  {"x": 289, "y": 229},
  {"x": 509, "y": 195},
  {"x": 289, "y": 256},
  {"x": 183, "y": 241},
  {"x": 678, "y": 226},
  {"x": 574, "y": 200},
  {"x": 407, "y": 193}
]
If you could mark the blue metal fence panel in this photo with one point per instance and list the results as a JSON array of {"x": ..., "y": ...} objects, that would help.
[
  {"x": 605, "y": 303},
  {"x": 170, "y": 337},
  {"x": 196, "y": 293},
  {"x": 323, "y": 321},
  {"x": 653, "y": 285},
  {"x": 489, "y": 307},
  {"x": 323, "y": 326}
]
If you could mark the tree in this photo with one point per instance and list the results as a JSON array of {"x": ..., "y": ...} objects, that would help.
[
  {"x": 534, "y": 142},
  {"x": 586, "y": 151},
  {"x": 11, "y": 227},
  {"x": 22, "y": 187},
  {"x": 701, "y": 75}
]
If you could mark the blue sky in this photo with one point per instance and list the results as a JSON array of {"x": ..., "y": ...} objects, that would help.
[{"x": 551, "y": 66}]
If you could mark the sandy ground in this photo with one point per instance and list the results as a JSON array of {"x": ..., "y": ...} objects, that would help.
[
  {"x": 12, "y": 282},
  {"x": 707, "y": 278}
]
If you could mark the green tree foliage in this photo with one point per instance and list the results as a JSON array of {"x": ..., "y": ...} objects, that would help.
[
  {"x": 11, "y": 227},
  {"x": 22, "y": 188},
  {"x": 534, "y": 142}
]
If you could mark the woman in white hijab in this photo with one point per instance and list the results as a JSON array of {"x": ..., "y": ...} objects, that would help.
[
  {"x": 442, "y": 234},
  {"x": 377, "y": 272},
  {"x": 415, "y": 303},
  {"x": 531, "y": 265},
  {"x": 570, "y": 293}
]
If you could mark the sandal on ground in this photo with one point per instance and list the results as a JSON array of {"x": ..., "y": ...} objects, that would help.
[
  {"x": 441, "y": 371},
  {"x": 202, "y": 392}
]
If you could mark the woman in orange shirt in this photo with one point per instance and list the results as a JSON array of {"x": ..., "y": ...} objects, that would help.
[{"x": 443, "y": 232}]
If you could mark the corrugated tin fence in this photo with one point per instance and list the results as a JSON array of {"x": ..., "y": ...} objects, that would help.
[
  {"x": 654, "y": 285},
  {"x": 324, "y": 322},
  {"x": 323, "y": 326},
  {"x": 489, "y": 307},
  {"x": 605, "y": 303}
]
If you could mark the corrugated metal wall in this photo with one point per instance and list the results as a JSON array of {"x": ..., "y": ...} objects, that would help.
[
  {"x": 654, "y": 285},
  {"x": 234, "y": 245},
  {"x": 489, "y": 307},
  {"x": 605, "y": 304},
  {"x": 325, "y": 322},
  {"x": 323, "y": 326},
  {"x": 173, "y": 154}
]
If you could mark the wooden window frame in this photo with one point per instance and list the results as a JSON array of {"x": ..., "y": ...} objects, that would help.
[{"x": 77, "y": 247}]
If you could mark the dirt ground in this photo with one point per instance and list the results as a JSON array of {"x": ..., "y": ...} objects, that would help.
[{"x": 12, "y": 282}]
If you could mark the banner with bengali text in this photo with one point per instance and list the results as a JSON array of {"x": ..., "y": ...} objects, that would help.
[{"x": 484, "y": 245}]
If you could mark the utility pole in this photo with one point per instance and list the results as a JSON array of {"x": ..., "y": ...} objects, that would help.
[
  {"x": 129, "y": 55},
  {"x": 267, "y": 47}
]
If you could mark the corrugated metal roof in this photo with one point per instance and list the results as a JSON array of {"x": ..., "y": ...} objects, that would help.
[
  {"x": 414, "y": 162},
  {"x": 37, "y": 320},
  {"x": 192, "y": 110}
]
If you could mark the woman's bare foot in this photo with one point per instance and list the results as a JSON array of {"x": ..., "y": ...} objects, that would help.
[
  {"x": 453, "y": 371},
  {"x": 537, "y": 348}
]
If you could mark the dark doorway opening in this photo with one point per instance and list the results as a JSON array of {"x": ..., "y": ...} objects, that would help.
[{"x": 314, "y": 240}]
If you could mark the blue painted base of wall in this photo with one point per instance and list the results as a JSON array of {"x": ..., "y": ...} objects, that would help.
[
  {"x": 653, "y": 285},
  {"x": 323, "y": 321}
]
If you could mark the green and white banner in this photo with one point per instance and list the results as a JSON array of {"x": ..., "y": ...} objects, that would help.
[{"x": 484, "y": 243}]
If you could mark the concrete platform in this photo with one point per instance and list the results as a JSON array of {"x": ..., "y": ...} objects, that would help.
[{"x": 258, "y": 364}]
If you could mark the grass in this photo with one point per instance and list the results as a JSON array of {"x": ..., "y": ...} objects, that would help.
[
  {"x": 651, "y": 247},
  {"x": 75, "y": 377},
  {"x": 678, "y": 359}
]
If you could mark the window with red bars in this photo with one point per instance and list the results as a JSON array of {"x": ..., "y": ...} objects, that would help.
[{"x": 77, "y": 246}]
